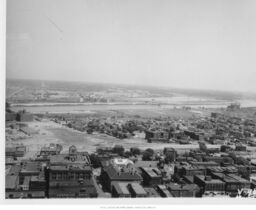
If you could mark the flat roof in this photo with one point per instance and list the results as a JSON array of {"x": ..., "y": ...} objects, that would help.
[
  {"x": 70, "y": 167},
  {"x": 238, "y": 178},
  {"x": 138, "y": 188},
  {"x": 143, "y": 163},
  {"x": 114, "y": 174},
  {"x": 186, "y": 187},
  {"x": 121, "y": 187},
  {"x": 31, "y": 167},
  {"x": 209, "y": 181},
  {"x": 65, "y": 158},
  {"x": 10, "y": 181},
  {"x": 151, "y": 192},
  {"x": 150, "y": 171}
]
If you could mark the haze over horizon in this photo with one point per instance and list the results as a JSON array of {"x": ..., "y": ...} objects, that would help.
[{"x": 199, "y": 44}]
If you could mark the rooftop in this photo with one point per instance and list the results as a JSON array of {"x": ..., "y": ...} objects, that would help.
[
  {"x": 186, "y": 187},
  {"x": 70, "y": 167},
  {"x": 138, "y": 188},
  {"x": 121, "y": 187},
  {"x": 31, "y": 167},
  {"x": 211, "y": 181},
  {"x": 116, "y": 174},
  {"x": 152, "y": 172},
  {"x": 11, "y": 181},
  {"x": 66, "y": 158}
]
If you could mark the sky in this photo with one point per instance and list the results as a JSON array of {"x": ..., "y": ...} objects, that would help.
[{"x": 199, "y": 44}]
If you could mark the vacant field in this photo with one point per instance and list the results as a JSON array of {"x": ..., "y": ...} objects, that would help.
[{"x": 50, "y": 132}]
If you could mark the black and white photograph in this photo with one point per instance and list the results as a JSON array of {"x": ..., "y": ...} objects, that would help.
[{"x": 151, "y": 100}]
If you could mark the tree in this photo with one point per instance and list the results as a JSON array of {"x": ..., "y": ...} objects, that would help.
[
  {"x": 135, "y": 151},
  {"x": 95, "y": 161},
  {"x": 127, "y": 154},
  {"x": 148, "y": 154},
  {"x": 170, "y": 157},
  {"x": 118, "y": 149},
  {"x": 151, "y": 151}
]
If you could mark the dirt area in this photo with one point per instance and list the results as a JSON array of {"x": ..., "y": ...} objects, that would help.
[{"x": 51, "y": 132}]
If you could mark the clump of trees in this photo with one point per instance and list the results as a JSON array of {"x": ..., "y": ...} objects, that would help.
[
  {"x": 135, "y": 151},
  {"x": 148, "y": 154},
  {"x": 118, "y": 149}
]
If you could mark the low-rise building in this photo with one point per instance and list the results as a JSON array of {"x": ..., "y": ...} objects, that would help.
[
  {"x": 151, "y": 176},
  {"x": 207, "y": 183},
  {"x": 157, "y": 136},
  {"x": 111, "y": 173},
  {"x": 70, "y": 175},
  {"x": 163, "y": 191},
  {"x": 183, "y": 190}
]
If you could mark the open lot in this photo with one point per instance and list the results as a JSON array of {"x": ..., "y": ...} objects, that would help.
[{"x": 51, "y": 132}]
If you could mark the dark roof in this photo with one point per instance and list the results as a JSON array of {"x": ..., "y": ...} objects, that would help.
[
  {"x": 212, "y": 163},
  {"x": 212, "y": 181},
  {"x": 152, "y": 172},
  {"x": 189, "y": 179},
  {"x": 186, "y": 187},
  {"x": 75, "y": 167},
  {"x": 21, "y": 194},
  {"x": 238, "y": 178},
  {"x": 72, "y": 183},
  {"x": 225, "y": 178},
  {"x": 142, "y": 163}
]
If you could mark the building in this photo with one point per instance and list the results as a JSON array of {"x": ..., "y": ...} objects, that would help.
[
  {"x": 120, "y": 190},
  {"x": 151, "y": 176},
  {"x": 112, "y": 173},
  {"x": 157, "y": 136},
  {"x": 224, "y": 170},
  {"x": 193, "y": 135},
  {"x": 188, "y": 170},
  {"x": 127, "y": 190},
  {"x": 151, "y": 192},
  {"x": 52, "y": 149},
  {"x": 104, "y": 150},
  {"x": 163, "y": 192},
  {"x": 10, "y": 116},
  {"x": 208, "y": 184},
  {"x": 70, "y": 176},
  {"x": 16, "y": 151},
  {"x": 170, "y": 154},
  {"x": 26, "y": 180},
  {"x": 240, "y": 147},
  {"x": 137, "y": 191},
  {"x": 183, "y": 190},
  {"x": 243, "y": 182},
  {"x": 232, "y": 185},
  {"x": 204, "y": 164},
  {"x": 233, "y": 107},
  {"x": 23, "y": 116},
  {"x": 71, "y": 181}
]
